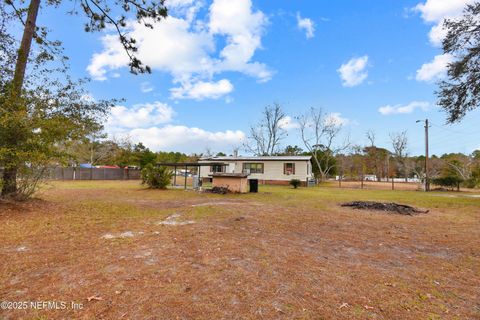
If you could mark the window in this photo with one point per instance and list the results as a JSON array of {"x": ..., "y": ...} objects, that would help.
[
  {"x": 217, "y": 168},
  {"x": 289, "y": 168},
  {"x": 253, "y": 167}
]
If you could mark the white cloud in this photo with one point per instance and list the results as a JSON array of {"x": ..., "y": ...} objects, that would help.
[
  {"x": 434, "y": 70},
  {"x": 336, "y": 119},
  {"x": 437, "y": 34},
  {"x": 307, "y": 25},
  {"x": 139, "y": 116},
  {"x": 243, "y": 30},
  {"x": 287, "y": 123},
  {"x": 185, "y": 45},
  {"x": 436, "y": 11},
  {"x": 180, "y": 52},
  {"x": 353, "y": 72},
  {"x": 146, "y": 87},
  {"x": 150, "y": 123},
  {"x": 202, "y": 90},
  {"x": 404, "y": 109},
  {"x": 186, "y": 139}
]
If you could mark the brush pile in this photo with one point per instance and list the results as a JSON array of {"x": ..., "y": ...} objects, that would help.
[
  {"x": 218, "y": 190},
  {"x": 388, "y": 207}
]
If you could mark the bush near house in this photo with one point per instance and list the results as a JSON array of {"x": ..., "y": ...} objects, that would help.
[
  {"x": 295, "y": 183},
  {"x": 156, "y": 177}
]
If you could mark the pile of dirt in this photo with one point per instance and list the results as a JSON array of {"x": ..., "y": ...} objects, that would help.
[{"x": 388, "y": 207}]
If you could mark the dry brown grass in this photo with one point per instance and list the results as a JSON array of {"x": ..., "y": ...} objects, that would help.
[{"x": 279, "y": 254}]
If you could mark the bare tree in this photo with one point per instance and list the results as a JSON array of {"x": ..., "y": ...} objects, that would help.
[
  {"x": 319, "y": 133},
  {"x": 400, "y": 146},
  {"x": 370, "y": 134},
  {"x": 235, "y": 150},
  {"x": 266, "y": 136},
  {"x": 461, "y": 164},
  {"x": 208, "y": 152}
]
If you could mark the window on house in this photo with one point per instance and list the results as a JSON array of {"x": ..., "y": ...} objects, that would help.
[
  {"x": 217, "y": 168},
  {"x": 253, "y": 167},
  {"x": 289, "y": 168}
]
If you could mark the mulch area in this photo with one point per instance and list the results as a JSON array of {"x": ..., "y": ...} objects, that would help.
[{"x": 388, "y": 207}]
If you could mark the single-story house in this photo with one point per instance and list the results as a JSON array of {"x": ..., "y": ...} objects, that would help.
[{"x": 268, "y": 169}]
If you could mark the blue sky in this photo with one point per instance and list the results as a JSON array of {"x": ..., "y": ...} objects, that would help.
[{"x": 216, "y": 64}]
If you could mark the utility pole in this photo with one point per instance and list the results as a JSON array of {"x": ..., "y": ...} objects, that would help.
[{"x": 427, "y": 178}]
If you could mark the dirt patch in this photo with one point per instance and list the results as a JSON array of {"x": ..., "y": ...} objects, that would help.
[
  {"x": 126, "y": 234},
  {"x": 173, "y": 220},
  {"x": 388, "y": 207},
  {"x": 294, "y": 255}
]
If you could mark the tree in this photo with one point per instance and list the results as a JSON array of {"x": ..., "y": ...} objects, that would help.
[
  {"x": 16, "y": 105},
  {"x": 292, "y": 151},
  {"x": 319, "y": 133},
  {"x": 370, "y": 134},
  {"x": 476, "y": 155},
  {"x": 399, "y": 142},
  {"x": 143, "y": 156},
  {"x": 464, "y": 167},
  {"x": 459, "y": 93},
  {"x": 376, "y": 161},
  {"x": 266, "y": 136},
  {"x": 30, "y": 138},
  {"x": 323, "y": 162},
  {"x": 174, "y": 157}
]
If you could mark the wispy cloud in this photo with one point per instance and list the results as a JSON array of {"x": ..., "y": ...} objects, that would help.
[
  {"x": 404, "y": 109},
  {"x": 434, "y": 70},
  {"x": 146, "y": 87},
  {"x": 307, "y": 25},
  {"x": 353, "y": 72}
]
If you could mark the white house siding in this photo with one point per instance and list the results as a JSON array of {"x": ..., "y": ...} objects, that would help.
[{"x": 273, "y": 170}]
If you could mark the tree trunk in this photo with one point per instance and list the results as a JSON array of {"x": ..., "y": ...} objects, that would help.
[
  {"x": 13, "y": 100},
  {"x": 9, "y": 181}
]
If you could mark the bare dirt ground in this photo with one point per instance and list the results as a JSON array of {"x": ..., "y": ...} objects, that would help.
[
  {"x": 119, "y": 251},
  {"x": 375, "y": 185},
  {"x": 382, "y": 185}
]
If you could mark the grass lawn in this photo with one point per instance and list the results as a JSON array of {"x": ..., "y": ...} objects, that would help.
[{"x": 120, "y": 251}]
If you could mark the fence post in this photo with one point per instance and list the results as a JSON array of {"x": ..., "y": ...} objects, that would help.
[
  {"x": 393, "y": 183},
  {"x": 186, "y": 168},
  {"x": 175, "y": 177}
]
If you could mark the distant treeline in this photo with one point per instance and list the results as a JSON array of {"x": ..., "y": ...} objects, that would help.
[{"x": 454, "y": 168}]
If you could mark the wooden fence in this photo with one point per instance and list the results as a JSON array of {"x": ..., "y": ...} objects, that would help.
[{"x": 77, "y": 173}]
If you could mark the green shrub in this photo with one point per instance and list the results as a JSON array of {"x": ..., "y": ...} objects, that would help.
[
  {"x": 448, "y": 182},
  {"x": 470, "y": 183},
  {"x": 156, "y": 177},
  {"x": 295, "y": 183}
]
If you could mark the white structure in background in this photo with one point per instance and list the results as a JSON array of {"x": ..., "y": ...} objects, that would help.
[{"x": 268, "y": 170}]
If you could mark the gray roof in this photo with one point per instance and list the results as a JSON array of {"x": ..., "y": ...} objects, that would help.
[{"x": 262, "y": 158}]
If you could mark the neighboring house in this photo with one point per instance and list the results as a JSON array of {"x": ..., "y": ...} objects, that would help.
[{"x": 268, "y": 170}]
